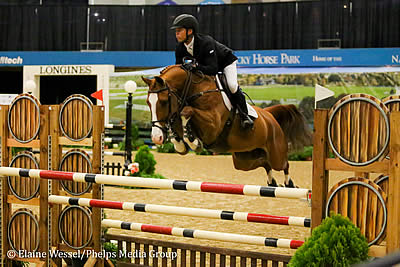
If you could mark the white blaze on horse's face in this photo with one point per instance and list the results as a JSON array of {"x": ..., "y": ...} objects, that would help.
[{"x": 157, "y": 135}]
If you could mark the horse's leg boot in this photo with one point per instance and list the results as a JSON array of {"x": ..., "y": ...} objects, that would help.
[
  {"x": 240, "y": 101},
  {"x": 188, "y": 137}
]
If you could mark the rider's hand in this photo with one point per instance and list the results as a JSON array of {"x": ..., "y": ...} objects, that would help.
[{"x": 190, "y": 66}]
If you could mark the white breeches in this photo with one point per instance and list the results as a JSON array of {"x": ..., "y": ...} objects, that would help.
[{"x": 230, "y": 72}]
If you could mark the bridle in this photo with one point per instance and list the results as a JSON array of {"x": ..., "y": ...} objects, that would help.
[
  {"x": 171, "y": 117},
  {"x": 183, "y": 100}
]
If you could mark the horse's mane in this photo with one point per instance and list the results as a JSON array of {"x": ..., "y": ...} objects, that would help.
[{"x": 167, "y": 68}]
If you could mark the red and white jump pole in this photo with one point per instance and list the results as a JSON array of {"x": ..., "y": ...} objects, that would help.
[
  {"x": 173, "y": 210},
  {"x": 200, "y": 234},
  {"x": 239, "y": 189}
]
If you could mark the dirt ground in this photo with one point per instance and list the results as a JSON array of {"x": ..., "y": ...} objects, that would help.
[{"x": 217, "y": 169}]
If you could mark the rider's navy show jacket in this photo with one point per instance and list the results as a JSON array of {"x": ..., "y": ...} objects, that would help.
[{"x": 211, "y": 56}]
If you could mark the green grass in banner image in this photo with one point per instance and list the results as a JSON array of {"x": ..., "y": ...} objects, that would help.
[
  {"x": 377, "y": 91},
  {"x": 269, "y": 92},
  {"x": 286, "y": 92},
  {"x": 118, "y": 108}
]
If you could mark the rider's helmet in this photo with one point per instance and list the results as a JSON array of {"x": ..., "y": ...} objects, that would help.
[{"x": 185, "y": 21}]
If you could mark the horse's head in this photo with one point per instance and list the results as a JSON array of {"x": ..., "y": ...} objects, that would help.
[
  {"x": 168, "y": 94},
  {"x": 163, "y": 100}
]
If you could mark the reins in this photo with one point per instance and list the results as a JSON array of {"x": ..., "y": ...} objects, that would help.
[{"x": 186, "y": 86}]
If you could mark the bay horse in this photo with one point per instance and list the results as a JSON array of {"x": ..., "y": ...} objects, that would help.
[{"x": 189, "y": 108}]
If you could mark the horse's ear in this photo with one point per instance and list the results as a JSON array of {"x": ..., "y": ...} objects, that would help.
[
  {"x": 159, "y": 80},
  {"x": 147, "y": 81}
]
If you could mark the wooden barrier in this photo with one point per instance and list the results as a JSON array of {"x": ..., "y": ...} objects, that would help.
[
  {"x": 357, "y": 130},
  {"x": 193, "y": 255},
  {"x": 26, "y": 124},
  {"x": 23, "y": 125}
]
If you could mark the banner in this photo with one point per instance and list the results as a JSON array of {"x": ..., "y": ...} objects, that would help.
[{"x": 362, "y": 57}]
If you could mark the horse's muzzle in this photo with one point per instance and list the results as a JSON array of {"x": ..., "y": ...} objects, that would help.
[{"x": 157, "y": 136}]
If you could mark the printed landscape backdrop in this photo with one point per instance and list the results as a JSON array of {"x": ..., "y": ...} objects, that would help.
[{"x": 270, "y": 89}]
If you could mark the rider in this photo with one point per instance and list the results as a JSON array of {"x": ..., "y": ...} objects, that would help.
[{"x": 211, "y": 57}]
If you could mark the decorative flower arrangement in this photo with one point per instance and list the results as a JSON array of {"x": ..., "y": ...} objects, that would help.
[{"x": 132, "y": 168}]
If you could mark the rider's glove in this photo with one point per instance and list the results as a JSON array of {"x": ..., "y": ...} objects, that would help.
[{"x": 189, "y": 66}]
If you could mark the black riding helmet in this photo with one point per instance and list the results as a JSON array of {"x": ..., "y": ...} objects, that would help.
[{"x": 185, "y": 21}]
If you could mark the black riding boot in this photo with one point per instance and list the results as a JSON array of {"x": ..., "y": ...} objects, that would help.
[{"x": 240, "y": 101}]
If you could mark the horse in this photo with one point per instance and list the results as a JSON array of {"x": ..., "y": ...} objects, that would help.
[{"x": 188, "y": 109}]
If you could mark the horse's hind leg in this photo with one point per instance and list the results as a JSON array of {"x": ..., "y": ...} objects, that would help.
[
  {"x": 280, "y": 162},
  {"x": 288, "y": 181},
  {"x": 251, "y": 160},
  {"x": 271, "y": 180}
]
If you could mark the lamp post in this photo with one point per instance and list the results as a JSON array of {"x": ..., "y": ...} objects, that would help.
[
  {"x": 130, "y": 88},
  {"x": 30, "y": 86}
]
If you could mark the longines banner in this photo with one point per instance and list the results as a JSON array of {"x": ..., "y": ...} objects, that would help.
[
  {"x": 256, "y": 58},
  {"x": 65, "y": 70}
]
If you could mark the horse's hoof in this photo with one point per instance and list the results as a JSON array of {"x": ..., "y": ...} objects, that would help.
[
  {"x": 290, "y": 184},
  {"x": 273, "y": 183},
  {"x": 199, "y": 147},
  {"x": 183, "y": 152}
]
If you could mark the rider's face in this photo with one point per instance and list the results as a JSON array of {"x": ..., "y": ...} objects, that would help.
[{"x": 180, "y": 34}]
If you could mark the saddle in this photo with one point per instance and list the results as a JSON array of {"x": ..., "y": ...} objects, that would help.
[
  {"x": 222, "y": 84},
  {"x": 221, "y": 144}
]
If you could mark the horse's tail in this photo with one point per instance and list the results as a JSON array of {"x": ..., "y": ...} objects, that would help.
[{"x": 293, "y": 124}]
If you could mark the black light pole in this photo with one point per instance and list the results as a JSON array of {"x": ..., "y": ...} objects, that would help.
[{"x": 130, "y": 87}]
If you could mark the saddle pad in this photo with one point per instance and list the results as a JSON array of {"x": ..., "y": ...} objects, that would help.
[{"x": 252, "y": 112}]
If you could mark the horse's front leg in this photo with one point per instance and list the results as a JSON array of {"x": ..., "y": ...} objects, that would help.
[{"x": 188, "y": 135}]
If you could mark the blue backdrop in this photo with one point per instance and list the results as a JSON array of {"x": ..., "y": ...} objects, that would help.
[{"x": 255, "y": 58}]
